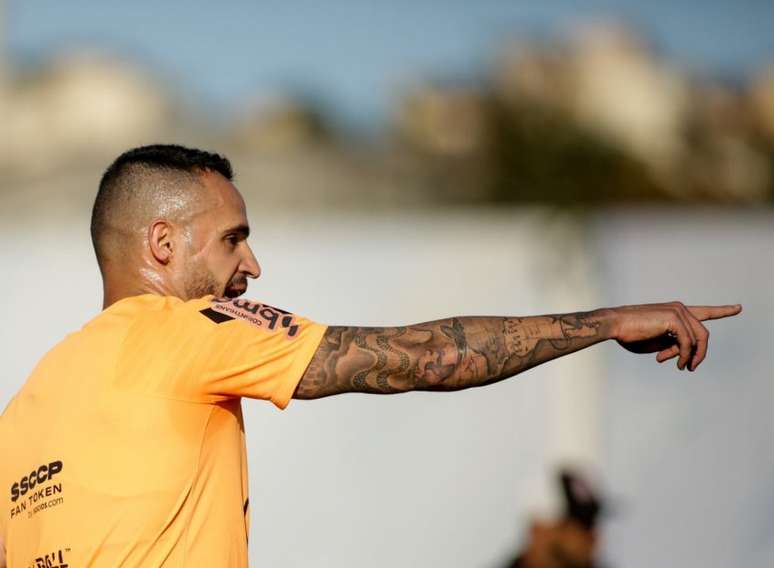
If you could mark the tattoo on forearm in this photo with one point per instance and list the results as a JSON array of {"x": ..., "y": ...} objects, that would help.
[{"x": 448, "y": 354}]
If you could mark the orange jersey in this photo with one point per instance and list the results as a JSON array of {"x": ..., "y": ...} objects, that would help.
[{"x": 126, "y": 446}]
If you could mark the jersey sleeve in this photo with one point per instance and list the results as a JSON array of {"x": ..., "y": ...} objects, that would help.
[
  {"x": 255, "y": 350},
  {"x": 211, "y": 349}
]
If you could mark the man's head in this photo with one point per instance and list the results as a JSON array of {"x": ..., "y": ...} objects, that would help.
[{"x": 168, "y": 220}]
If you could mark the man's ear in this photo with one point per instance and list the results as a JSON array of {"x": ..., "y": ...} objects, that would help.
[{"x": 160, "y": 241}]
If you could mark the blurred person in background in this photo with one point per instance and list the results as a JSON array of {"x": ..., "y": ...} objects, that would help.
[
  {"x": 571, "y": 541},
  {"x": 126, "y": 444}
]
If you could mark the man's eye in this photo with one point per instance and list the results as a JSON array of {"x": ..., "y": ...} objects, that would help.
[{"x": 233, "y": 240}]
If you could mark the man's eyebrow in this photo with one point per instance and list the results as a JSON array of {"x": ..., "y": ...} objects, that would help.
[{"x": 243, "y": 230}]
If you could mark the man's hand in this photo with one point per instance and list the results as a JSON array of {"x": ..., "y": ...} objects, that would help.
[{"x": 671, "y": 330}]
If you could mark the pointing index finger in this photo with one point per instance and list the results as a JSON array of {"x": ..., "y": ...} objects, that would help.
[{"x": 714, "y": 312}]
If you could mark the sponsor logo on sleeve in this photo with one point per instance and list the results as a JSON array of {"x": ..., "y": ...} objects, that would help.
[{"x": 260, "y": 315}]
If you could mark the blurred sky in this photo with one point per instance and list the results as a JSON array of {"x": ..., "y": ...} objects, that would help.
[{"x": 354, "y": 56}]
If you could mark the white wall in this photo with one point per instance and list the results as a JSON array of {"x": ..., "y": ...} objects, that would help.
[{"x": 690, "y": 454}]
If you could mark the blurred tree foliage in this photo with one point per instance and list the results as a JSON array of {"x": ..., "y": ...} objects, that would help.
[{"x": 540, "y": 155}]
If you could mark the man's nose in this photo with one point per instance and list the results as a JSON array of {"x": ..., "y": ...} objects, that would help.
[{"x": 250, "y": 265}]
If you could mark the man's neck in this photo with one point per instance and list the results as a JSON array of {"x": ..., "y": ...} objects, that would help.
[{"x": 112, "y": 293}]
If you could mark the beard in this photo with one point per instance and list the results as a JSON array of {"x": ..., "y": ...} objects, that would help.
[{"x": 202, "y": 282}]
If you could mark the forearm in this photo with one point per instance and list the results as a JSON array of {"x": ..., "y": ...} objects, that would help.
[
  {"x": 484, "y": 350},
  {"x": 450, "y": 354}
]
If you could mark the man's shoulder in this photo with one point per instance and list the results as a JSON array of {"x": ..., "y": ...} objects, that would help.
[{"x": 210, "y": 315}]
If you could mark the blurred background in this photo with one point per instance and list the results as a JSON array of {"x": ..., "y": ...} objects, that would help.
[{"x": 405, "y": 161}]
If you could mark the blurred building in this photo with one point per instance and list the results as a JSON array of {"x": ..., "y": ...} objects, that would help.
[
  {"x": 597, "y": 118},
  {"x": 762, "y": 99},
  {"x": 695, "y": 139},
  {"x": 78, "y": 107}
]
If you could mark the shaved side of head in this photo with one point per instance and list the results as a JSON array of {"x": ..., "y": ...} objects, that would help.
[{"x": 145, "y": 184}]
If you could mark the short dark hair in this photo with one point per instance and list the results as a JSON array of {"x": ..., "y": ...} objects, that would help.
[{"x": 120, "y": 184}]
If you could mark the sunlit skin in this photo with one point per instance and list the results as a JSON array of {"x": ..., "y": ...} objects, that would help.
[{"x": 202, "y": 252}]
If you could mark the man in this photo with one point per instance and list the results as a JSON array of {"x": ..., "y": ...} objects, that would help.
[
  {"x": 570, "y": 541},
  {"x": 126, "y": 444}
]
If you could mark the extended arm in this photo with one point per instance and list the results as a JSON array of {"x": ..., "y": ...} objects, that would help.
[
  {"x": 462, "y": 352},
  {"x": 448, "y": 354}
]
